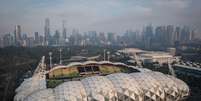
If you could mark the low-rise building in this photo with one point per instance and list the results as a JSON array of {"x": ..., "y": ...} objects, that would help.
[
  {"x": 150, "y": 56},
  {"x": 160, "y": 57}
]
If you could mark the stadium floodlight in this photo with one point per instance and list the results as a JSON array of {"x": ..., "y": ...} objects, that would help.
[{"x": 50, "y": 54}]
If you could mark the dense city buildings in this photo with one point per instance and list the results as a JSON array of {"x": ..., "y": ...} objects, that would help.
[{"x": 159, "y": 37}]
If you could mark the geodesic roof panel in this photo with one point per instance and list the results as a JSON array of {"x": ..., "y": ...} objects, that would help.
[
  {"x": 181, "y": 86},
  {"x": 29, "y": 86},
  {"x": 42, "y": 95},
  {"x": 98, "y": 86},
  {"x": 151, "y": 87},
  {"x": 69, "y": 91},
  {"x": 124, "y": 81}
]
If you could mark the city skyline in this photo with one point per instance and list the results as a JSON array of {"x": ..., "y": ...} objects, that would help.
[
  {"x": 102, "y": 16},
  {"x": 149, "y": 37}
]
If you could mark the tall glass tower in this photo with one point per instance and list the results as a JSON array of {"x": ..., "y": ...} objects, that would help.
[
  {"x": 47, "y": 31},
  {"x": 17, "y": 34}
]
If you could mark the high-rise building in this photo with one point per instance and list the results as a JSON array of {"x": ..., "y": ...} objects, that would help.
[
  {"x": 102, "y": 38},
  {"x": 1, "y": 42},
  {"x": 64, "y": 31},
  {"x": 56, "y": 38},
  {"x": 160, "y": 35},
  {"x": 170, "y": 34},
  {"x": 63, "y": 35},
  {"x": 24, "y": 36},
  {"x": 36, "y": 38},
  {"x": 192, "y": 35},
  {"x": 41, "y": 38},
  {"x": 93, "y": 36},
  {"x": 75, "y": 38},
  {"x": 177, "y": 34},
  {"x": 28, "y": 42},
  {"x": 17, "y": 35},
  {"x": 47, "y": 32},
  {"x": 7, "y": 40},
  {"x": 185, "y": 34},
  {"x": 149, "y": 31},
  {"x": 148, "y": 36}
]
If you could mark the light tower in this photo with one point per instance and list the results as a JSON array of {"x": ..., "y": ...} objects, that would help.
[
  {"x": 108, "y": 55},
  {"x": 104, "y": 55},
  {"x": 60, "y": 62},
  {"x": 50, "y": 54}
]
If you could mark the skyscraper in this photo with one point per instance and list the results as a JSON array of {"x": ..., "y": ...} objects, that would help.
[
  {"x": 7, "y": 40},
  {"x": 170, "y": 34},
  {"x": 160, "y": 35},
  {"x": 149, "y": 31},
  {"x": 56, "y": 38},
  {"x": 102, "y": 38},
  {"x": 36, "y": 38},
  {"x": 64, "y": 29},
  {"x": 177, "y": 34},
  {"x": 148, "y": 36},
  {"x": 17, "y": 35},
  {"x": 111, "y": 38},
  {"x": 63, "y": 35},
  {"x": 185, "y": 34},
  {"x": 1, "y": 42},
  {"x": 192, "y": 35},
  {"x": 47, "y": 32}
]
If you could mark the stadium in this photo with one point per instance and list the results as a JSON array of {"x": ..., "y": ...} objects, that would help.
[{"x": 100, "y": 81}]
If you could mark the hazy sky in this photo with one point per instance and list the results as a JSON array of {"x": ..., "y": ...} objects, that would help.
[{"x": 100, "y": 15}]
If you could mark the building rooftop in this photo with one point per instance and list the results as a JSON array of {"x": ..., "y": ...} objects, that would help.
[{"x": 156, "y": 54}]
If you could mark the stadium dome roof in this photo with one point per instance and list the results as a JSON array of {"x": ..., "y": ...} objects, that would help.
[{"x": 135, "y": 86}]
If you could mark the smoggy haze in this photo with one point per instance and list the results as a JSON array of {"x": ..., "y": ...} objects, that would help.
[{"x": 99, "y": 15}]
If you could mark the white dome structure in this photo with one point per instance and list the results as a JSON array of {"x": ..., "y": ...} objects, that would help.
[
  {"x": 138, "y": 86},
  {"x": 153, "y": 86}
]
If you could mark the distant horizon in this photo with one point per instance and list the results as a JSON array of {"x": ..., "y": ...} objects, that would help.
[{"x": 140, "y": 30}]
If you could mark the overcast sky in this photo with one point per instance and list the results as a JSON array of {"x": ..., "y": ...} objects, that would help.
[{"x": 100, "y": 15}]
